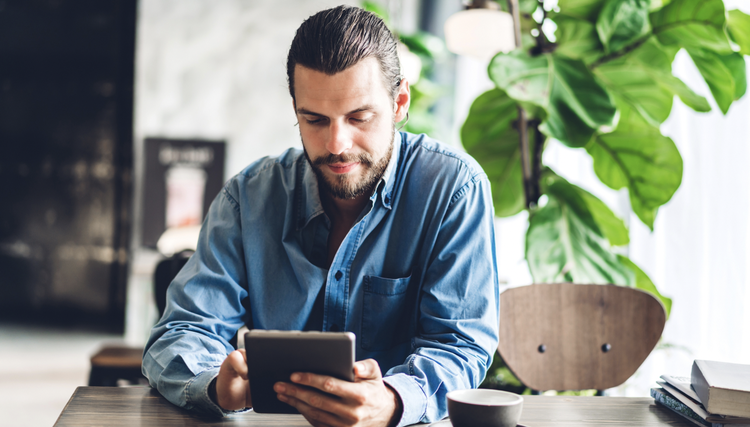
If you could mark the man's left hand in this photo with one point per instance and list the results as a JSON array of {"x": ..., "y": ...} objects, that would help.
[{"x": 368, "y": 401}]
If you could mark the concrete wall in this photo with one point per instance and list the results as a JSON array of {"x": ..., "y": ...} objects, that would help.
[{"x": 212, "y": 69}]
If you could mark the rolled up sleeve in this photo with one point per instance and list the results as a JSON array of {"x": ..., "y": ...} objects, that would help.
[{"x": 204, "y": 310}]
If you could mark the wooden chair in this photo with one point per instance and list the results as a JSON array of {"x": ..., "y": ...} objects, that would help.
[
  {"x": 564, "y": 336},
  {"x": 116, "y": 362},
  {"x": 119, "y": 362}
]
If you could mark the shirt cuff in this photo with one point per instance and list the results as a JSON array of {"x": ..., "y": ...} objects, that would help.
[
  {"x": 197, "y": 394},
  {"x": 413, "y": 398}
]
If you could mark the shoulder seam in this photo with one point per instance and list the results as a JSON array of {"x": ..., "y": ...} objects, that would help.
[
  {"x": 231, "y": 199},
  {"x": 476, "y": 174},
  {"x": 461, "y": 191},
  {"x": 473, "y": 170}
]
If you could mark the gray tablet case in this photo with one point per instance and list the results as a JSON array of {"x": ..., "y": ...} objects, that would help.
[{"x": 273, "y": 356}]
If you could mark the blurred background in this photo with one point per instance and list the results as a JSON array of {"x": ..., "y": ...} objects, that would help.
[{"x": 120, "y": 120}]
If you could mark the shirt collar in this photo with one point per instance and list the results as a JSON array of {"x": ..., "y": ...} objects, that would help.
[
  {"x": 385, "y": 186},
  {"x": 308, "y": 196}
]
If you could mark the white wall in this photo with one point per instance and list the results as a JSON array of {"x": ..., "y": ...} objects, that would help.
[{"x": 214, "y": 70}]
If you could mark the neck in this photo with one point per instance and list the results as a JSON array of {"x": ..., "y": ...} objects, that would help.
[{"x": 344, "y": 211}]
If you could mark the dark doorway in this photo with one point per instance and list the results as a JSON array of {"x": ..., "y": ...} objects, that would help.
[{"x": 66, "y": 120}]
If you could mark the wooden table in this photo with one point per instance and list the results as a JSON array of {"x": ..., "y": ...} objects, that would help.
[{"x": 142, "y": 406}]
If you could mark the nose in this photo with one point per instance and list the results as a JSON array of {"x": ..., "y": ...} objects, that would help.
[{"x": 339, "y": 138}]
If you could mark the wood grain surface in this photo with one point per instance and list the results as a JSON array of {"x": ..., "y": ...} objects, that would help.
[
  {"x": 143, "y": 406},
  {"x": 573, "y": 322}
]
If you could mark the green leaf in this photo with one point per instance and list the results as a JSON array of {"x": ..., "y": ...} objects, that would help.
[
  {"x": 631, "y": 82},
  {"x": 378, "y": 9},
  {"x": 622, "y": 22},
  {"x": 739, "y": 28},
  {"x": 525, "y": 6},
  {"x": 679, "y": 88},
  {"x": 596, "y": 213},
  {"x": 735, "y": 62},
  {"x": 658, "y": 4},
  {"x": 424, "y": 44},
  {"x": 656, "y": 60},
  {"x": 577, "y": 39},
  {"x": 644, "y": 79},
  {"x": 697, "y": 24},
  {"x": 611, "y": 226},
  {"x": 724, "y": 74},
  {"x": 581, "y": 9},
  {"x": 489, "y": 136},
  {"x": 645, "y": 212},
  {"x": 644, "y": 283},
  {"x": 564, "y": 243},
  {"x": 639, "y": 157},
  {"x": 576, "y": 105}
]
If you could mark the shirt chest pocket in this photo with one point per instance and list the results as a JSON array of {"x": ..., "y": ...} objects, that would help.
[{"x": 386, "y": 312}]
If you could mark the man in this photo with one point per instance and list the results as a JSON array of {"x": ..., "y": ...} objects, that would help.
[{"x": 385, "y": 234}]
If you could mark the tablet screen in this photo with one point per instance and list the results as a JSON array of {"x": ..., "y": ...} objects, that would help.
[{"x": 273, "y": 356}]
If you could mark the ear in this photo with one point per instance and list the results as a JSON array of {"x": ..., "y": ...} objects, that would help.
[{"x": 401, "y": 103}]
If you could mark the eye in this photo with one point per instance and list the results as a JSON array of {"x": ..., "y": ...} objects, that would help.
[
  {"x": 314, "y": 120},
  {"x": 360, "y": 119}
]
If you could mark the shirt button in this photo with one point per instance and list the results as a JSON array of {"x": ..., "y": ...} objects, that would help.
[
  {"x": 334, "y": 328},
  {"x": 339, "y": 274}
]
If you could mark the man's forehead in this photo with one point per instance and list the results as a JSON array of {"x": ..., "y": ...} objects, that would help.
[{"x": 361, "y": 80}]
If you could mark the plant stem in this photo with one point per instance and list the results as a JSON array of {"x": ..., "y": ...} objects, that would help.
[
  {"x": 514, "y": 10},
  {"x": 522, "y": 123},
  {"x": 543, "y": 45},
  {"x": 536, "y": 161},
  {"x": 523, "y": 133}
]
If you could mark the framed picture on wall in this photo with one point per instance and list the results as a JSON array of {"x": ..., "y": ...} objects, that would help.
[{"x": 182, "y": 177}]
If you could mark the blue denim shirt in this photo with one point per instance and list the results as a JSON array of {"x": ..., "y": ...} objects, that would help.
[{"x": 415, "y": 279}]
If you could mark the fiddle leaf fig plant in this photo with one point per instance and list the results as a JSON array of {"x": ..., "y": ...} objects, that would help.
[{"x": 599, "y": 79}]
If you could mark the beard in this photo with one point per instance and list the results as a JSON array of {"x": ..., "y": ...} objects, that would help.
[{"x": 346, "y": 187}]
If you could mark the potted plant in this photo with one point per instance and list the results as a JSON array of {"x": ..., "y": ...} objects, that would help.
[{"x": 596, "y": 75}]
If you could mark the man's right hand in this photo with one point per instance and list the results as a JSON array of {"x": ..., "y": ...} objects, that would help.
[{"x": 232, "y": 386}]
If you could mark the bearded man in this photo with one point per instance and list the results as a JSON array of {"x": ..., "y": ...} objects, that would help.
[{"x": 385, "y": 234}]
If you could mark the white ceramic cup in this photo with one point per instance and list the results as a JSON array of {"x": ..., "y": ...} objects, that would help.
[{"x": 484, "y": 408}]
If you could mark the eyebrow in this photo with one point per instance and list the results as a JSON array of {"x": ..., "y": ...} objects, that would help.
[{"x": 307, "y": 112}]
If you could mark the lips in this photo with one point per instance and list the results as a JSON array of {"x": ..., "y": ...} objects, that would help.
[{"x": 340, "y": 168}]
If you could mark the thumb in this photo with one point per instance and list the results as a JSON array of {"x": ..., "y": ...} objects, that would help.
[{"x": 367, "y": 369}]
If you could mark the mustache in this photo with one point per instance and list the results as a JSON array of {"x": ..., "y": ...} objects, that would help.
[{"x": 330, "y": 159}]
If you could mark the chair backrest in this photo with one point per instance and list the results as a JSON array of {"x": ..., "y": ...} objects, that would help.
[
  {"x": 165, "y": 272},
  {"x": 564, "y": 336}
]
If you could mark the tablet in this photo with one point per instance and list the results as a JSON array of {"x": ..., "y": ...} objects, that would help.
[{"x": 273, "y": 356}]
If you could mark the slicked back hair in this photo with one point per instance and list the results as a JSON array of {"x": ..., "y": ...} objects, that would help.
[{"x": 335, "y": 39}]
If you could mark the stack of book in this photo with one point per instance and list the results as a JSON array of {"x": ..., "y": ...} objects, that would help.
[{"x": 717, "y": 394}]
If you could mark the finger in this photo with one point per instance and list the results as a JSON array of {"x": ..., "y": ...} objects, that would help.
[
  {"x": 343, "y": 406},
  {"x": 238, "y": 362},
  {"x": 324, "y": 383},
  {"x": 312, "y": 398},
  {"x": 367, "y": 370},
  {"x": 315, "y": 416},
  {"x": 232, "y": 387}
]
